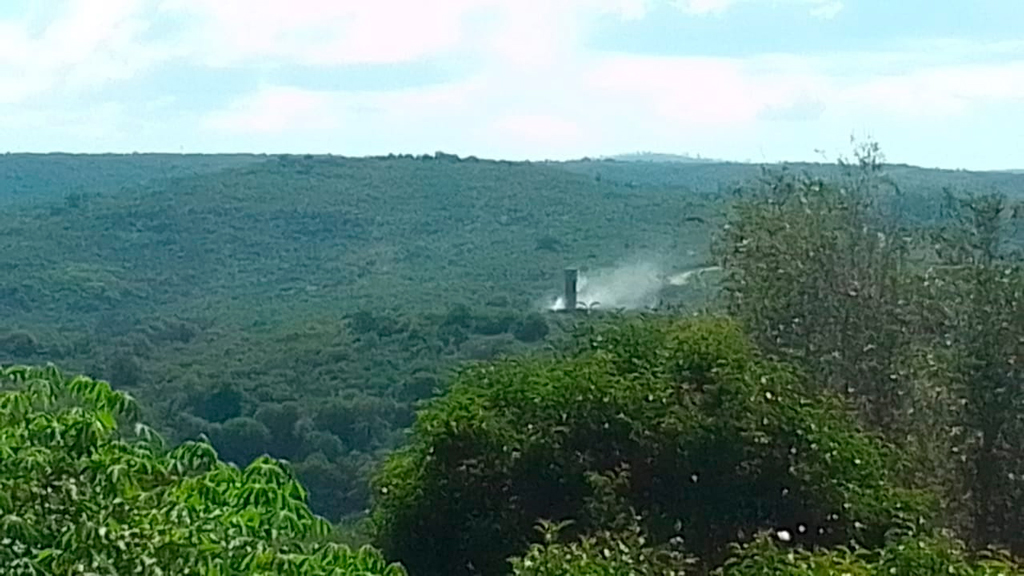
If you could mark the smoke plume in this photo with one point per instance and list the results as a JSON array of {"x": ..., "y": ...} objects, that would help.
[{"x": 628, "y": 287}]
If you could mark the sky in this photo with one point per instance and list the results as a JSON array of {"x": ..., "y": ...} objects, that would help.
[{"x": 935, "y": 83}]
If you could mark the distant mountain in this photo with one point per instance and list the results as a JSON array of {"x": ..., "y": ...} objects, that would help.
[{"x": 660, "y": 157}]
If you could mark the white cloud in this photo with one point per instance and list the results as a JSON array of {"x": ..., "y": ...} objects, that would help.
[
  {"x": 939, "y": 91},
  {"x": 706, "y": 6},
  {"x": 277, "y": 110},
  {"x": 340, "y": 32},
  {"x": 325, "y": 32},
  {"x": 826, "y": 9},
  {"x": 535, "y": 88},
  {"x": 87, "y": 45},
  {"x": 583, "y": 103},
  {"x": 539, "y": 129}
]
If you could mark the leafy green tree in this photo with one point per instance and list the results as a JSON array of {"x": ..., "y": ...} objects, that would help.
[
  {"x": 828, "y": 273},
  {"x": 815, "y": 269},
  {"x": 711, "y": 441},
  {"x": 86, "y": 489},
  {"x": 606, "y": 554},
  {"x": 281, "y": 421},
  {"x": 975, "y": 307},
  {"x": 219, "y": 405},
  {"x": 923, "y": 327},
  {"x": 240, "y": 440}
]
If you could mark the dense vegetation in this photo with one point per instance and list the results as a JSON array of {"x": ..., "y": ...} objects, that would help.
[
  {"x": 75, "y": 179},
  {"x": 859, "y": 413},
  {"x": 302, "y": 306},
  {"x": 681, "y": 423},
  {"x": 86, "y": 489}
]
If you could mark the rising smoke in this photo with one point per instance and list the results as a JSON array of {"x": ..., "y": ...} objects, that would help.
[{"x": 630, "y": 287}]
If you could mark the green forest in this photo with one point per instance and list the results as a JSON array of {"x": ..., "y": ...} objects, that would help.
[{"x": 326, "y": 365}]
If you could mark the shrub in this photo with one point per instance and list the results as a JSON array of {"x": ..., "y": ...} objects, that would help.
[
  {"x": 532, "y": 328},
  {"x": 716, "y": 442},
  {"x": 493, "y": 323},
  {"x": 241, "y": 440},
  {"x": 607, "y": 554},
  {"x": 220, "y": 405},
  {"x": 79, "y": 494},
  {"x": 907, "y": 555}
]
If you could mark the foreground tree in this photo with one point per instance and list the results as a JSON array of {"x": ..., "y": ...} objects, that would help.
[
  {"x": 85, "y": 489},
  {"x": 815, "y": 269},
  {"x": 681, "y": 422},
  {"x": 919, "y": 321},
  {"x": 974, "y": 305}
]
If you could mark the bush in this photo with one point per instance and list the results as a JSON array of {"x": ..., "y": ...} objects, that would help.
[
  {"x": 607, "y": 554},
  {"x": 532, "y": 328},
  {"x": 280, "y": 421},
  {"x": 220, "y": 405},
  {"x": 241, "y": 440},
  {"x": 80, "y": 495},
  {"x": 908, "y": 555},
  {"x": 493, "y": 323},
  {"x": 716, "y": 443}
]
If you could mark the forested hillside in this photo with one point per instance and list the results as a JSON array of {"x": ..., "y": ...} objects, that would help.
[
  {"x": 302, "y": 305},
  {"x": 73, "y": 178},
  {"x": 307, "y": 307}
]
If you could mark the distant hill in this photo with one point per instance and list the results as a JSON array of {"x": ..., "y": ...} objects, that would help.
[
  {"x": 28, "y": 177},
  {"x": 658, "y": 157},
  {"x": 304, "y": 305}
]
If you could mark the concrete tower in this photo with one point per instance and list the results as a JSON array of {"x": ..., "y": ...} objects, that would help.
[{"x": 571, "y": 275}]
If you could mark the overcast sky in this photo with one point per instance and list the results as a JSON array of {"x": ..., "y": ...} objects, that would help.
[{"x": 935, "y": 82}]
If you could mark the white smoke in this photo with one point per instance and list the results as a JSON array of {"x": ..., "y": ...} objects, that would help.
[
  {"x": 629, "y": 287},
  {"x": 684, "y": 278}
]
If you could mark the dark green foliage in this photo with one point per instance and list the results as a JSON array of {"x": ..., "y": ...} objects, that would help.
[
  {"x": 607, "y": 554},
  {"x": 420, "y": 385},
  {"x": 79, "y": 494},
  {"x": 360, "y": 421},
  {"x": 974, "y": 301},
  {"x": 18, "y": 344},
  {"x": 459, "y": 316},
  {"x": 298, "y": 279},
  {"x": 816, "y": 271},
  {"x": 714, "y": 441},
  {"x": 549, "y": 243},
  {"x": 922, "y": 327},
  {"x": 125, "y": 370},
  {"x": 74, "y": 179},
  {"x": 240, "y": 440},
  {"x": 920, "y": 555},
  {"x": 532, "y": 328},
  {"x": 494, "y": 323},
  {"x": 223, "y": 403},
  {"x": 282, "y": 423}
]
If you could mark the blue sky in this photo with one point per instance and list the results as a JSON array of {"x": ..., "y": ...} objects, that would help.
[{"x": 935, "y": 83}]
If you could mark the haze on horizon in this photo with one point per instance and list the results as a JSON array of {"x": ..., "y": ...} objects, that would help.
[{"x": 936, "y": 84}]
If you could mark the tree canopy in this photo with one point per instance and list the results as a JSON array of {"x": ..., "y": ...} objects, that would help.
[
  {"x": 87, "y": 489},
  {"x": 681, "y": 421}
]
